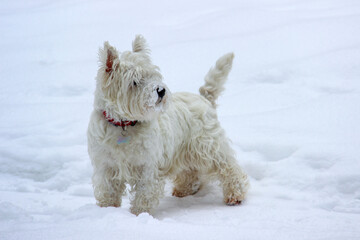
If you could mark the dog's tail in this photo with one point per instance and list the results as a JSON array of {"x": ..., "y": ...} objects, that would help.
[{"x": 216, "y": 77}]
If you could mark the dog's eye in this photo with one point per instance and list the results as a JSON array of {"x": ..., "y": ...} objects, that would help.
[{"x": 135, "y": 84}]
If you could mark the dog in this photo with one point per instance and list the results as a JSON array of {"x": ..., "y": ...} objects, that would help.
[{"x": 140, "y": 134}]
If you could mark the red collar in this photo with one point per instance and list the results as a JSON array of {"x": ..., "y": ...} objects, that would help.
[{"x": 119, "y": 124}]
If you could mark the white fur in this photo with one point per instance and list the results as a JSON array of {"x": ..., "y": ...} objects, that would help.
[{"x": 177, "y": 136}]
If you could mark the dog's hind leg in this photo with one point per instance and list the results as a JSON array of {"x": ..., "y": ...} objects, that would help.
[
  {"x": 219, "y": 159},
  {"x": 234, "y": 183},
  {"x": 233, "y": 180},
  {"x": 186, "y": 183}
]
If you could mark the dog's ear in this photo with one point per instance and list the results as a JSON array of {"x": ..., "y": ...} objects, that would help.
[
  {"x": 108, "y": 56},
  {"x": 139, "y": 45}
]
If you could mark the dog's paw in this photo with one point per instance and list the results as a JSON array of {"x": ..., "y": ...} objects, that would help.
[
  {"x": 137, "y": 210},
  {"x": 107, "y": 204},
  {"x": 186, "y": 192},
  {"x": 233, "y": 201},
  {"x": 180, "y": 194}
]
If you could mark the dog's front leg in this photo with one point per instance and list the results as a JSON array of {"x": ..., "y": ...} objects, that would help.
[
  {"x": 108, "y": 186},
  {"x": 148, "y": 190}
]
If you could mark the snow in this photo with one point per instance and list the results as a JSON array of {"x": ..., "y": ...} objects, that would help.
[{"x": 291, "y": 108}]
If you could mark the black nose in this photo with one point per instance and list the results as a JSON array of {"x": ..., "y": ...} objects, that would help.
[{"x": 161, "y": 93}]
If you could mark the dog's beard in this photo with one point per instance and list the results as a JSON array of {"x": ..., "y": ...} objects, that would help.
[{"x": 157, "y": 106}]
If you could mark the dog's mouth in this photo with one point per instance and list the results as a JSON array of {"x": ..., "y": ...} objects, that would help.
[{"x": 159, "y": 101}]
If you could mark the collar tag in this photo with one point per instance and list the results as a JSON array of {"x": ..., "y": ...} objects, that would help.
[{"x": 123, "y": 139}]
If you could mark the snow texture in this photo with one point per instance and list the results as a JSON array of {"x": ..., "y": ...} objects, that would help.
[{"x": 291, "y": 107}]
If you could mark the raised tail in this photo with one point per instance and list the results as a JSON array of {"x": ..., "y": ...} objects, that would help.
[{"x": 216, "y": 77}]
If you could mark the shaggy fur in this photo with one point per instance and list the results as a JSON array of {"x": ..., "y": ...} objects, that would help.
[{"x": 177, "y": 136}]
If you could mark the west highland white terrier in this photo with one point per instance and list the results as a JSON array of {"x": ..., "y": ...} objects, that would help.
[{"x": 140, "y": 134}]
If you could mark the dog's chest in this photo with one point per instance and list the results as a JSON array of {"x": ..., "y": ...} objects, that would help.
[{"x": 134, "y": 147}]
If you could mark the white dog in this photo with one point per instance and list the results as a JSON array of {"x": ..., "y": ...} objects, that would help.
[{"x": 139, "y": 134}]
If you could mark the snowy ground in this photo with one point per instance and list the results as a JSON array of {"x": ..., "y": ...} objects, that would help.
[{"x": 291, "y": 107}]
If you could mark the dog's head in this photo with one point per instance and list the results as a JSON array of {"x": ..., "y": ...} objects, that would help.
[{"x": 129, "y": 86}]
